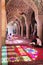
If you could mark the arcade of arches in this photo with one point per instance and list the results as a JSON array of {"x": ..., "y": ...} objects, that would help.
[{"x": 18, "y": 13}]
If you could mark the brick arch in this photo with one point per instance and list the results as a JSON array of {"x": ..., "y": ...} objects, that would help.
[
  {"x": 18, "y": 20},
  {"x": 21, "y": 25},
  {"x": 26, "y": 23},
  {"x": 14, "y": 19},
  {"x": 18, "y": 26},
  {"x": 25, "y": 19},
  {"x": 33, "y": 6}
]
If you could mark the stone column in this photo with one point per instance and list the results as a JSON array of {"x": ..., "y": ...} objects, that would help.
[
  {"x": 22, "y": 31},
  {"x": 0, "y": 39},
  {"x": 19, "y": 29},
  {"x": 3, "y": 21},
  {"x": 0, "y": 34},
  {"x": 3, "y": 18},
  {"x": 0, "y": 24},
  {"x": 27, "y": 28},
  {"x": 27, "y": 31},
  {"x": 39, "y": 29}
]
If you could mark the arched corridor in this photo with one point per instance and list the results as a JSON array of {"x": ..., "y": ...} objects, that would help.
[{"x": 21, "y": 32}]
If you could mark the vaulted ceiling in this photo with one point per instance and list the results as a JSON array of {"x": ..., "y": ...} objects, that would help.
[
  {"x": 39, "y": 4},
  {"x": 14, "y": 7},
  {"x": 6, "y": 1},
  {"x": 18, "y": 3}
]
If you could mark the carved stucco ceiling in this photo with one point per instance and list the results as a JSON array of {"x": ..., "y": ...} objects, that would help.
[
  {"x": 18, "y": 6},
  {"x": 15, "y": 4},
  {"x": 6, "y": 1},
  {"x": 39, "y": 4}
]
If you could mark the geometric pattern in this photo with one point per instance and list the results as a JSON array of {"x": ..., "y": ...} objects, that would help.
[{"x": 18, "y": 53}]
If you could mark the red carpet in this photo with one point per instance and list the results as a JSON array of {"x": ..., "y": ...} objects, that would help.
[{"x": 21, "y": 52}]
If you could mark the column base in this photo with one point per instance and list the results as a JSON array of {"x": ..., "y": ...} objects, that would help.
[{"x": 3, "y": 41}]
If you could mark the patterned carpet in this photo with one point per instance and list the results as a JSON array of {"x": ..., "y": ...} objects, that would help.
[{"x": 20, "y": 54}]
